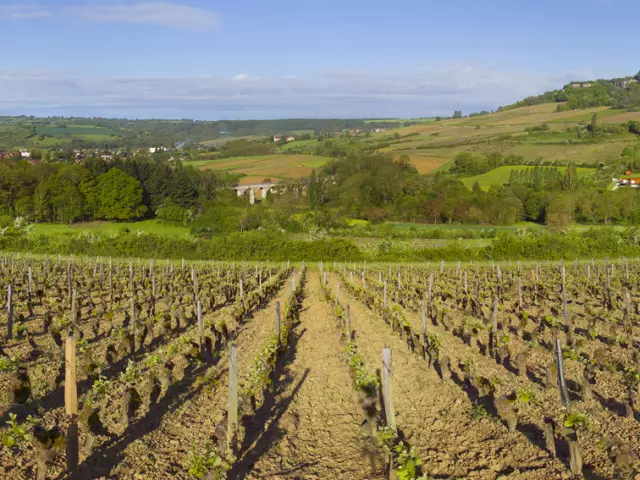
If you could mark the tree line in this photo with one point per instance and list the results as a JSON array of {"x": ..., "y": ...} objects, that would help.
[
  {"x": 378, "y": 189},
  {"x": 122, "y": 189},
  {"x": 357, "y": 186}
]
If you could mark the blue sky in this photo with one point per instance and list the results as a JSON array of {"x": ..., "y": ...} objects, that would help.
[{"x": 241, "y": 59}]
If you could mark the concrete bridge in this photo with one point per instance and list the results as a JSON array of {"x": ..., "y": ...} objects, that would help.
[{"x": 259, "y": 188}]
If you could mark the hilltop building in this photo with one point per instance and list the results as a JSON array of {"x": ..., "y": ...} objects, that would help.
[{"x": 582, "y": 84}]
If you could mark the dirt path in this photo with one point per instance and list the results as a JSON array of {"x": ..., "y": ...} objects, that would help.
[
  {"x": 317, "y": 433},
  {"x": 435, "y": 416}
]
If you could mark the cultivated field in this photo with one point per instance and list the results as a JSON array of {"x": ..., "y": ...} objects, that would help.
[
  {"x": 432, "y": 146},
  {"x": 274, "y": 167},
  {"x": 504, "y": 132},
  {"x": 234, "y": 371}
]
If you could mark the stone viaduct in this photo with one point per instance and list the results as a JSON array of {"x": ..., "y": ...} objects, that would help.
[{"x": 259, "y": 188}]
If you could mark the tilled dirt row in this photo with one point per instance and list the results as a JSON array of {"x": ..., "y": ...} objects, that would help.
[
  {"x": 315, "y": 429},
  {"x": 160, "y": 446},
  {"x": 606, "y": 423},
  {"x": 436, "y": 416},
  {"x": 111, "y": 439},
  {"x": 44, "y": 358}
]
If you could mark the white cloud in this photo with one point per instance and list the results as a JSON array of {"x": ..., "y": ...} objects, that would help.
[
  {"x": 245, "y": 76},
  {"x": 429, "y": 91},
  {"x": 16, "y": 11},
  {"x": 166, "y": 14},
  {"x": 161, "y": 13}
]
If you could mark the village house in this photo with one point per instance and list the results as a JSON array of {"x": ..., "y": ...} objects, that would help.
[
  {"x": 582, "y": 84},
  {"x": 629, "y": 179},
  {"x": 158, "y": 149},
  {"x": 25, "y": 153},
  {"x": 288, "y": 138}
]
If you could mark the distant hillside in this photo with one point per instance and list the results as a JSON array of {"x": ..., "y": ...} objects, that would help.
[
  {"x": 617, "y": 93},
  {"x": 110, "y": 133}
]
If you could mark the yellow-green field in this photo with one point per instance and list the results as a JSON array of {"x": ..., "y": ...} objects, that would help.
[
  {"x": 275, "y": 167},
  {"x": 111, "y": 228},
  {"x": 501, "y": 175}
]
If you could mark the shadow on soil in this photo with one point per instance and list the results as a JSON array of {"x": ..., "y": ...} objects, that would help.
[{"x": 256, "y": 440}]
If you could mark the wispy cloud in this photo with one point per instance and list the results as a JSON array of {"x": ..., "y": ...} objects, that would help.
[
  {"x": 17, "y": 11},
  {"x": 429, "y": 91},
  {"x": 160, "y": 13},
  {"x": 165, "y": 14}
]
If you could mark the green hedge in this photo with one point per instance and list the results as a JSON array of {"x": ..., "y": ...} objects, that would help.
[
  {"x": 265, "y": 245},
  {"x": 238, "y": 246}
]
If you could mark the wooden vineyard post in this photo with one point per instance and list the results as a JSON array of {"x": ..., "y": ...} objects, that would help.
[
  {"x": 10, "y": 311},
  {"x": 241, "y": 289},
  {"x": 278, "y": 325},
  {"x": 575, "y": 461},
  {"x": 153, "y": 292},
  {"x": 347, "y": 322},
  {"x": 387, "y": 372},
  {"x": 70, "y": 389},
  {"x": 71, "y": 403},
  {"x": 110, "y": 284},
  {"x": 70, "y": 281},
  {"x": 476, "y": 310},
  {"x": 384, "y": 295},
  {"x": 429, "y": 293},
  {"x": 232, "y": 408},
  {"x": 626, "y": 270},
  {"x": 74, "y": 311},
  {"x": 565, "y": 309},
  {"x": 562, "y": 384},
  {"x": 519, "y": 293},
  {"x": 423, "y": 324},
  {"x": 626, "y": 321},
  {"x": 364, "y": 282},
  {"x": 195, "y": 282},
  {"x": 133, "y": 319},
  {"x": 399, "y": 282},
  {"x": 338, "y": 293},
  {"x": 200, "y": 325},
  {"x": 29, "y": 287},
  {"x": 493, "y": 341}
]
